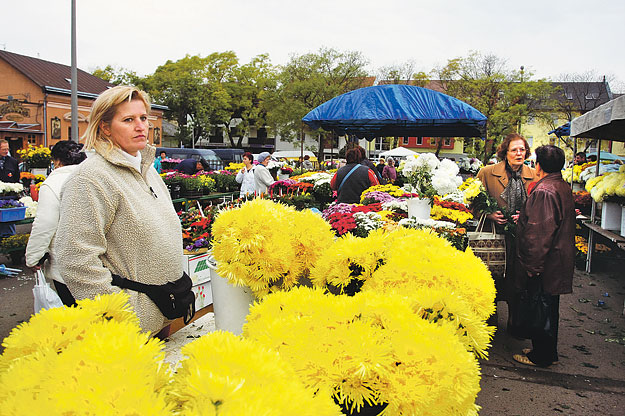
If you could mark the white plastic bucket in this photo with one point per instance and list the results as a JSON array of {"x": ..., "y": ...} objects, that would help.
[
  {"x": 231, "y": 304},
  {"x": 419, "y": 208}
]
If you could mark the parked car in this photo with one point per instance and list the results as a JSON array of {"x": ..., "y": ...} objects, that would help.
[
  {"x": 211, "y": 157},
  {"x": 229, "y": 155}
]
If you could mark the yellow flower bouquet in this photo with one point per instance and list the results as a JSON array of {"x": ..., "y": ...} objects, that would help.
[{"x": 36, "y": 156}]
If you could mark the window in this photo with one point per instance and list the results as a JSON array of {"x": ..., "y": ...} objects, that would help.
[
  {"x": 381, "y": 144},
  {"x": 569, "y": 95},
  {"x": 405, "y": 141},
  {"x": 592, "y": 96},
  {"x": 419, "y": 141},
  {"x": 432, "y": 141},
  {"x": 531, "y": 120},
  {"x": 447, "y": 142},
  {"x": 530, "y": 140}
]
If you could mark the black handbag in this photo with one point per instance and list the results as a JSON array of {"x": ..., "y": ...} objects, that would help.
[
  {"x": 531, "y": 312},
  {"x": 173, "y": 299}
]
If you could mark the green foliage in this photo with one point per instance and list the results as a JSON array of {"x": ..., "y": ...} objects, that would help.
[
  {"x": 14, "y": 241},
  {"x": 507, "y": 97},
  {"x": 225, "y": 182},
  {"x": 193, "y": 89},
  {"x": 117, "y": 76},
  {"x": 309, "y": 80}
]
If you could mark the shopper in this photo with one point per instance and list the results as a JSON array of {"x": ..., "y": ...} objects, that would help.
[
  {"x": 507, "y": 182},
  {"x": 117, "y": 217},
  {"x": 158, "y": 162},
  {"x": 262, "y": 176},
  {"x": 353, "y": 178},
  {"x": 389, "y": 174},
  {"x": 192, "y": 166},
  {"x": 246, "y": 176},
  {"x": 307, "y": 164},
  {"x": 546, "y": 249},
  {"x": 66, "y": 155}
]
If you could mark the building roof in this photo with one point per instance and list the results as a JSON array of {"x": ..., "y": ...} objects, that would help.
[{"x": 52, "y": 76}]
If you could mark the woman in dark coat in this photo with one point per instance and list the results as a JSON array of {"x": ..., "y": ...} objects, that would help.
[{"x": 546, "y": 248}]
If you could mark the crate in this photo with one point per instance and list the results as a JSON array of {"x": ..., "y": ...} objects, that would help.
[{"x": 12, "y": 214}]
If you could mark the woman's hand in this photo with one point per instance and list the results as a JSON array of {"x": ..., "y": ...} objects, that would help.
[
  {"x": 515, "y": 217},
  {"x": 497, "y": 217}
]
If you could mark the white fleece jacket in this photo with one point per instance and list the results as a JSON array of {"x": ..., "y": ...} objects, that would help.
[
  {"x": 115, "y": 219},
  {"x": 46, "y": 222}
]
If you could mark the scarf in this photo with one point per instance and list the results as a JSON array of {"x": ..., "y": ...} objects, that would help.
[{"x": 514, "y": 194}]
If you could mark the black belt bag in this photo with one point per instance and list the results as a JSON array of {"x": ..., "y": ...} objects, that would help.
[{"x": 174, "y": 299}]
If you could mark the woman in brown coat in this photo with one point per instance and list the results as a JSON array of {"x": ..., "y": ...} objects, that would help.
[{"x": 507, "y": 182}]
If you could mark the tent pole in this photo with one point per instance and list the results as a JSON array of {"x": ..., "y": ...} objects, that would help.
[
  {"x": 593, "y": 213},
  {"x": 573, "y": 164}
]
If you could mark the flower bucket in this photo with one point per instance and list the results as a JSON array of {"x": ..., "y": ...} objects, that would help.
[
  {"x": 34, "y": 192},
  {"x": 283, "y": 176},
  {"x": 578, "y": 187},
  {"x": 39, "y": 171},
  {"x": 231, "y": 304},
  {"x": 623, "y": 220},
  {"x": 611, "y": 216},
  {"x": 419, "y": 208}
]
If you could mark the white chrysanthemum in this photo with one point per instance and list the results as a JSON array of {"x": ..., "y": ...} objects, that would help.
[{"x": 425, "y": 223}]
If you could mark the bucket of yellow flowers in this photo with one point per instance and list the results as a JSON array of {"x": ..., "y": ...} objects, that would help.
[{"x": 36, "y": 158}]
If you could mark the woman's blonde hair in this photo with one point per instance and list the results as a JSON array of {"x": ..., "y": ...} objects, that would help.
[{"x": 103, "y": 110}]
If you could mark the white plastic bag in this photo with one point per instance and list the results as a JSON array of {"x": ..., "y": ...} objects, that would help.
[{"x": 45, "y": 297}]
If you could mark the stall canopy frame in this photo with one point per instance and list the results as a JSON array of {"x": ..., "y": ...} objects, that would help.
[{"x": 604, "y": 122}]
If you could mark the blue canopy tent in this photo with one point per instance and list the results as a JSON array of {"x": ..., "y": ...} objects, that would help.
[{"x": 397, "y": 110}]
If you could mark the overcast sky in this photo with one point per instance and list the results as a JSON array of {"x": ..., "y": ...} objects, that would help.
[{"x": 548, "y": 37}]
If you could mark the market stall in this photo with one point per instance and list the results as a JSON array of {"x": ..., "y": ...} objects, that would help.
[{"x": 606, "y": 122}]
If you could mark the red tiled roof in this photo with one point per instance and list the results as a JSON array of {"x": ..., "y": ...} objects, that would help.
[{"x": 50, "y": 74}]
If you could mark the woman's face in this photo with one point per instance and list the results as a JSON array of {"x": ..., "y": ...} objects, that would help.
[
  {"x": 246, "y": 161},
  {"x": 129, "y": 127},
  {"x": 516, "y": 153}
]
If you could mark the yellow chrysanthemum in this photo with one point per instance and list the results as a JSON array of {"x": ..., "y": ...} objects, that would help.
[
  {"x": 349, "y": 258},
  {"x": 228, "y": 375},
  {"x": 57, "y": 328},
  {"x": 112, "y": 368},
  {"x": 268, "y": 246},
  {"x": 422, "y": 258},
  {"x": 368, "y": 349}
]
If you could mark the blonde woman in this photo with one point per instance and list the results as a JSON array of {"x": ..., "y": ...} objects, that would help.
[{"x": 117, "y": 218}]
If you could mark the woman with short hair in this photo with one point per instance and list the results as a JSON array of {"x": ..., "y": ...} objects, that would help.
[
  {"x": 246, "y": 176},
  {"x": 66, "y": 155}
]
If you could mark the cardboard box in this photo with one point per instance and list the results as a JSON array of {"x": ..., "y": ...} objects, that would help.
[
  {"x": 611, "y": 216},
  {"x": 197, "y": 268},
  {"x": 203, "y": 295}
]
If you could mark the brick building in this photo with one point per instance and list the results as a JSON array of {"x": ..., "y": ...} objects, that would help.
[{"x": 35, "y": 102}]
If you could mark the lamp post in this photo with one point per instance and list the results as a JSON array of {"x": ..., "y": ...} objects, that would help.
[
  {"x": 74, "y": 77},
  {"x": 521, "y": 75}
]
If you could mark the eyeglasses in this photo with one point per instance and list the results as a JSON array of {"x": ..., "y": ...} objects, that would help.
[{"x": 521, "y": 150}]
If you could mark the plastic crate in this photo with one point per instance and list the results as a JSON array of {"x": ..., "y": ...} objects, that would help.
[{"x": 12, "y": 214}]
